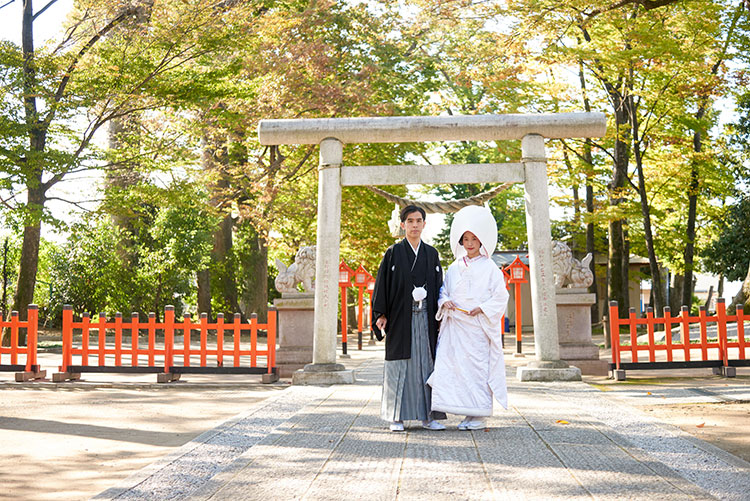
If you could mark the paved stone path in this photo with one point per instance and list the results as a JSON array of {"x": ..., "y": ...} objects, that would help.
[{"x": 556, "y": 441}]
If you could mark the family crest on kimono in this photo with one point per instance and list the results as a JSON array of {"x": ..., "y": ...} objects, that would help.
[
  {"x": 470, "y": 367},
  {"x": 404, "y": 305}
]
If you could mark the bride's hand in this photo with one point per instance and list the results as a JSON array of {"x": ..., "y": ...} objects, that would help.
[
  {"x": 449, "y": 305},
  {"x": 476, "y": 311}
]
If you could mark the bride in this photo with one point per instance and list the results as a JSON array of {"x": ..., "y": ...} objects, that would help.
[{"x": 469, "y": 364}]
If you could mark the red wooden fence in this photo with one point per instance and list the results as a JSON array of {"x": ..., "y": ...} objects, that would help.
[
  {"x": 721, "y": 354},
  {"x": 29, "y": 369},
  {"x": 162, "y": 354}
]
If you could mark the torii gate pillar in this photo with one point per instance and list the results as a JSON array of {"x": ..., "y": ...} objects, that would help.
[
  {"x": 324, "y": 369},
  {"x": 333, "y": 133}
]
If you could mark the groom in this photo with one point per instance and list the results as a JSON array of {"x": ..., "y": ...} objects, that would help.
[{"x": 404, "y": 304}]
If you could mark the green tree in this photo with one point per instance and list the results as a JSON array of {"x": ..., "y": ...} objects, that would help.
[{"x": 57, "y": 98}]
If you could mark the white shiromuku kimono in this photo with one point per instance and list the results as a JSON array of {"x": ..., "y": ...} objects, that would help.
[{"x": 469, "y": 365}]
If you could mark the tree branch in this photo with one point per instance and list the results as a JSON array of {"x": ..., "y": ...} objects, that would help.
[
  {"x": 7, "y": 3},
  {"x": 49, "y": 4},
  {"x": 646, "y": 4},
  {"x": 77, "y": 204},
  {"x": 84, "y": 50}
]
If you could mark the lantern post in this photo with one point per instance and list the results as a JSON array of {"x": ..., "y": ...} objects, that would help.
[
  {"x": 361, "y": 278},
  {"x": 518, "y": 276},
  {"x": 345, "y": 281},
  {"x": 506, "y": 276}
]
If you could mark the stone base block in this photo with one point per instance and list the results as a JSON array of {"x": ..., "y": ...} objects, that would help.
[
  {"x": 323, "y": 375},
  {"x": 548, "y": 370},
  {"x": 269, "y": 378},
  {"x": 167, "y": 377},
  {"x": 291, "y": 358},
  {"x": 591, "y": 367},
  {"x": 287, "y": 370},
  {"x": 579, "y": 351},
  {"x": 22, "y": 377},
  {"x": 618, "y": 374},
  {"x": 59, "y": 377}
]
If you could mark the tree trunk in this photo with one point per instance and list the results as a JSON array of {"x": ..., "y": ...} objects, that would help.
[
  {"x": 687, "y": 291},
  {"x": 618, "y": 259},
  {"x": 121, "y": 179},
  {"x": 656, "y": 286},
  {"x": 29, "y": 261},
  {"x": 590, "y": 234},
  {"x": 223, "y": 254},
  {"x": 675, "y": 302},
  {"x": 255, "y": 272},
  {"x": 204, "y": 293}
]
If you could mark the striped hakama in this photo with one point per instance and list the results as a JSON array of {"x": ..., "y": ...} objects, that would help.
[{"x": 405, "y": 392}]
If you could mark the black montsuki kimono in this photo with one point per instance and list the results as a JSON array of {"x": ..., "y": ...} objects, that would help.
[{"x": 392, "y": 296}]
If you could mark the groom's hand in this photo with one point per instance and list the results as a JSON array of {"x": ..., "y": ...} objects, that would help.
[{"x": 380, "y": 322}]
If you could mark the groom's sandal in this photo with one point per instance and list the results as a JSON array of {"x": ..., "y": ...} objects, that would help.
[{"x": 397, "y": 426}]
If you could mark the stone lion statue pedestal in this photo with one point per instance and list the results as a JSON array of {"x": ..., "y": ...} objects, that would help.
[
  {"x": 296, "y": 312},
  {"x": 574, "y": 331},
  {"x": 572, "y": 279}
]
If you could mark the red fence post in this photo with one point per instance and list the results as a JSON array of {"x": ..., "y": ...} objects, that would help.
[
  {"x": 32, "y": 320},
  {"x": 650, "y": 331},
  {"x": 271, "y": 340},
  {"x": 668, "y": 331},
  {"x": 271, "y": 375},
  {"x": 740, "y": 312},
  {"x": 118, "y": 339},
  {"x": 67, "y": 349},
  {"x": 168, "y": 376},
  {"x": 685, "y": 331},
  {"x": 85, "y": 321},
  {"x": 31, "y": 369},
  {"x": 102, "y": 338},
  {"x": 220, "y": 340},
  {"x": 204, "y": 338},
  {"x": 186, "y": 340},
  {"x": 721, "y": 315},
  {"x": 236, "y": 328},
  {"x": 135, "y": 325},
  {"x": 67, "y": 336}
]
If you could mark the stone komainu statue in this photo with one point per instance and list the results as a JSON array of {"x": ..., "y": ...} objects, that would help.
[
  {"x": 301, "y": 271},
  {"x": 568, "y": 271}
]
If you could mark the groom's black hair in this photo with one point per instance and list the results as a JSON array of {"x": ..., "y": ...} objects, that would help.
[{"x": 409, "y": 209}]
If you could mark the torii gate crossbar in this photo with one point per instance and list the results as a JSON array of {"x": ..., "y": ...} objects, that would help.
[{"x": 333, "y": 133}]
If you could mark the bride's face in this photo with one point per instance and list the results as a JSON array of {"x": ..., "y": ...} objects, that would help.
[{"x": 471, "y": 243}]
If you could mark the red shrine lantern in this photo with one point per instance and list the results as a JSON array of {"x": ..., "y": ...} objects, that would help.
[
  {"x": 518, "y": 271},
  {"x": 361, "y": 280},
  {"x": 345, "y": 275},
  {"x": 517, "y": 277}
]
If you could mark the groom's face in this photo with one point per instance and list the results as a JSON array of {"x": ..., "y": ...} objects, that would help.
[{"x": 413, "y": 225}]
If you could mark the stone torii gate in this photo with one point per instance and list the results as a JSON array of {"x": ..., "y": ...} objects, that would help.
[{"x": 333, "y": 133}]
